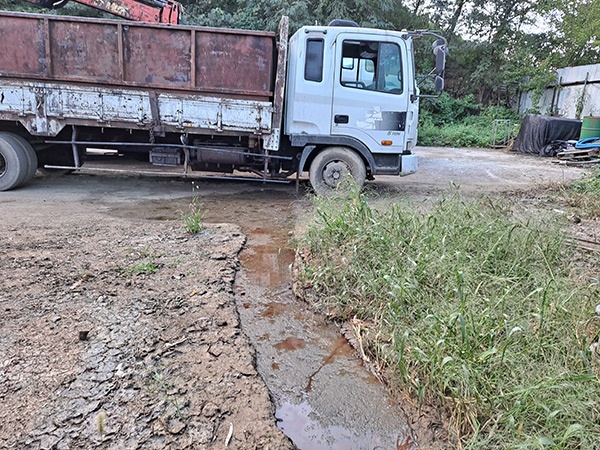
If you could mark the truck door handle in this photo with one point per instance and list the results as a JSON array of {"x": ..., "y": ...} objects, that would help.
[{"x": 341, "y": 118}]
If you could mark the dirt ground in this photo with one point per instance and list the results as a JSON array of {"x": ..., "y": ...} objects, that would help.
[
  {"x": 164, "y": 363},
  {"x": 118, "y": 330}
]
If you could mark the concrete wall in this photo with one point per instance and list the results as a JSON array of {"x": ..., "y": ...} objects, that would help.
[{"x": 575, "y": 95}]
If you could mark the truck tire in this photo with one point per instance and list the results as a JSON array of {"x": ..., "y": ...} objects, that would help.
[
  {"x": 14, "y": 164},
  {"x": 332, "y": 166},
  {"x": 32, "y": 159}
]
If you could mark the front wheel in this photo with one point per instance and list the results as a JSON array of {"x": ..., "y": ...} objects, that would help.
[{"x": 333, "y": 168}]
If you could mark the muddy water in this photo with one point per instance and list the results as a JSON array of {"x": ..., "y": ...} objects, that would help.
[{"x": 324, "y": 397}]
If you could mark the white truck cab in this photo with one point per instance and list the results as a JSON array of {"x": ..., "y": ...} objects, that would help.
[{"x": 352, "y": 89}]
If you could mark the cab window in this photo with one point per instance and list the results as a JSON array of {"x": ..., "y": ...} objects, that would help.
[
  {"x": 313, "y": 69},
  {"x": 372, "y": 65}
]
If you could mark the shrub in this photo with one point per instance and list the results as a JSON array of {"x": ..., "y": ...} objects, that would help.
[{"x": 460, "y": 122}]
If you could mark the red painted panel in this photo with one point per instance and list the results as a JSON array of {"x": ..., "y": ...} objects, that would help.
[
  {"x": 84, "y": 51},
  {"x": 22, "y": 47}
]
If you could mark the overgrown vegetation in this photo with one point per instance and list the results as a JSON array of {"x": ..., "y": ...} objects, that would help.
[
  {"x": 470, "y": 308},
  {"x": 585, "y": 194},
  {"x": 462, "y": 122}
]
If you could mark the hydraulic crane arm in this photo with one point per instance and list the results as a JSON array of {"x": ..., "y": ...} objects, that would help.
[{"x": 155, "y": 11}]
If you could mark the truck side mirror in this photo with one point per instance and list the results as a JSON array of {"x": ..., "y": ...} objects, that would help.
[
  {"x": 440, "y": 49},
  {"x": 439, "y": 84}
]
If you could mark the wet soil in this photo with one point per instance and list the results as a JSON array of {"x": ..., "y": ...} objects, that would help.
[
  {"x": 120, "y": 330},
  {"x": 324, "y": 396}
]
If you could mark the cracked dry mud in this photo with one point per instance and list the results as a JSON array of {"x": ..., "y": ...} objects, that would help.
[{"x": 164, "y": 363}]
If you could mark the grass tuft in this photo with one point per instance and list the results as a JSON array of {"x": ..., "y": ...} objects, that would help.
[
  {"x": 471, "y": 309},
  {"x": 148, "y": 266},
  {"x": 193, "y": 218}
]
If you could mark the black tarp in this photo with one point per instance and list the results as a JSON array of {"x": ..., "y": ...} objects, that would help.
[{"x": 544, "y": 135}]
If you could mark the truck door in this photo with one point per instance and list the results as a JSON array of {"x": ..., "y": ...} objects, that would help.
[{"x": 370, "y": 93}]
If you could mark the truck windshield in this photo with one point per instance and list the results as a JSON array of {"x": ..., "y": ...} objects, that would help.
[{"x": 372, "y": 65}]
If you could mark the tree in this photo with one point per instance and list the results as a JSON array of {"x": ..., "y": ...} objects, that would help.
[{"x": 579, "y": 33}]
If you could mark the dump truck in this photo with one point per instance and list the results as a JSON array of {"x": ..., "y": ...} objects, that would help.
[{"x": 338, "y": 101}]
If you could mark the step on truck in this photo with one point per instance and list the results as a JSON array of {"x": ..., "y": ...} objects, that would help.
[{"x": 335, "y": 101}]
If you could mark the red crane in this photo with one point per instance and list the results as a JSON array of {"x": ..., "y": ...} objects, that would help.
[{"x": 155, "y": 11}]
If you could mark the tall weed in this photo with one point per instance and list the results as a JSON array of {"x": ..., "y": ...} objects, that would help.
[
  {"x": 584, "y": 194},
  {"x": 472, "y": 309}
]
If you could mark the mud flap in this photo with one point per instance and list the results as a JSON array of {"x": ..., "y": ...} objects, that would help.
[{"x": 410, "y": 164}]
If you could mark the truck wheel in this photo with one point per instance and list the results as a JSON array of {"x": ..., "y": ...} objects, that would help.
[
  {"x": 32, "y": 159},
  {"x": 14, "y": 164},
  {"x": 334, "y": 165}
]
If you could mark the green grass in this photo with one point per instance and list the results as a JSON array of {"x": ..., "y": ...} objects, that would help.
[
  {"x": 148, "y": 266},
  {"x": 584, "y": 194},
  {"x": 193, "y": 218},
  {"x": 146, "y": 259},
  {"x": 472, "y": 310}
]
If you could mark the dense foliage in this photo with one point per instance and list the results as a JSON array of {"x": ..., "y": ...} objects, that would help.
[{"x": 462, "y": 122}]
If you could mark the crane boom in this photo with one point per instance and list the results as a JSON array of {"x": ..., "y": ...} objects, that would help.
[{"x": 154, "y": 11}]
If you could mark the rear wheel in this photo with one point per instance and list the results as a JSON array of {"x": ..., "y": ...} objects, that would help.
[
  {"x": 14, "y": 162},
  {"x": 333, "y": 168},
  {"x": 32, "y": 159}
]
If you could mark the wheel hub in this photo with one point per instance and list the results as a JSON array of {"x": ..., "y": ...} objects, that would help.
[{"x": 334, "y": 172}]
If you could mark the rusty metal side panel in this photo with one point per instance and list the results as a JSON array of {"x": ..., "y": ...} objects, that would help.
[
  {"x": 84, "y": 51},
  {"x": 22, "y": 47},
  {"x": 243, "y": 62},
  {"x": 45, "y": 108},
  {"x": 157, "y": 56},
  {"x": 125, "y": 54}
]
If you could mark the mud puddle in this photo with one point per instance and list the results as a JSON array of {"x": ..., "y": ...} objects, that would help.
[{"x": 324, "y": 397}]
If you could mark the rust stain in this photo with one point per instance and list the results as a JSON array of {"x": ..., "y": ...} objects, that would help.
[
  {"x": 408, "y": 444},
  {"x": 340, "y": 348},
  {"x": 274, "y": 309},
  {"x": 291, "y": 343}
]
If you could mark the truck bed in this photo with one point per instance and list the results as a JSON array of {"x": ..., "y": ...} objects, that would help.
[
  {"x": 130, "y": 54},
  {"x": 57, "y": 71}
]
